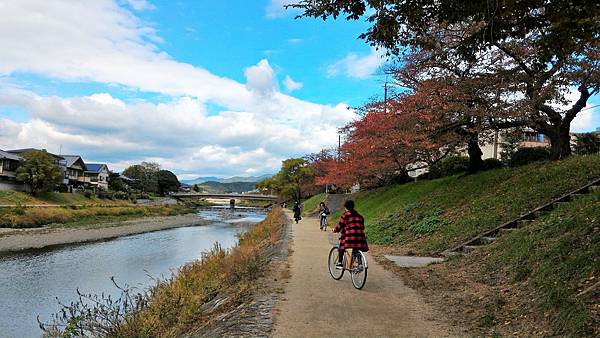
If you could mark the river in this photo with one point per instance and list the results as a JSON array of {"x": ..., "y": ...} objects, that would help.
[{"x": 31, "y": 282}]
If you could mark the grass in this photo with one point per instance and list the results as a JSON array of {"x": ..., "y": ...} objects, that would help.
[
  {"x": 16, "y": 197},
  {"x": 312, "y": 203},
  {"x": 432, "y": 215},
  {"x": 81, "y": 216},
  {"x": 558, "y": 256},
  {"x": 196, "y": 294}
]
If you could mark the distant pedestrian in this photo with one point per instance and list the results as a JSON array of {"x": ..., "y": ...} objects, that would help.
[
  {"x": 297, "y": 211},
  {"x": 323, "y": 213}
]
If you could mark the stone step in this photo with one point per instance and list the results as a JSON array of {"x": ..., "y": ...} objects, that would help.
[
  {"x": 469, "y": 248},
  {"x": 487, "y": 239},
  {"x": 506, "y": 230},
  {"x": 524, "y": 222},
  {"x": 559, "y": 204}
]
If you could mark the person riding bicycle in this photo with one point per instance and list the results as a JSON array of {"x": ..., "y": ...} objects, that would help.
[
  {"x": 351, "y": 227},
  {"x": 323, "y": 213}
]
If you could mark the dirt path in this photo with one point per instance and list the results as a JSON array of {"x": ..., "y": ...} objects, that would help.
[{"x": 317, "y": 305}]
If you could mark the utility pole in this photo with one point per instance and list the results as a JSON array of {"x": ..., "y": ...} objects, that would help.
[{"x": 385, "y": 94}]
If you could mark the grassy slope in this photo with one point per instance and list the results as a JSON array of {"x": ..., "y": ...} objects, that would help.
[
  {"x": 558, "y": 256},
  {"x": 432, "y": 215},
  {"x": 312, "y": 203},
  {"x": 527, "y": 282}
]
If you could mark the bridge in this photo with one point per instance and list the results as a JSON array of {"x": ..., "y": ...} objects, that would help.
[{"x": 199, "y": 195}]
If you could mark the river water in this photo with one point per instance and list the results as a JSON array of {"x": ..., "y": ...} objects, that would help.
[{"x": 31, "y": 282}]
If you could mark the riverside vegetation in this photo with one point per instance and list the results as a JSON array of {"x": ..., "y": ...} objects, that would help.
[
  {"x": 529, "y": 282},
  {"x": 178, "y": 306},
  {"x": 75, "y": 210}
]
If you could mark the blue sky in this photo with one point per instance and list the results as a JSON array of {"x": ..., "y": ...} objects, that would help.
[{"x": 217, "y": 88}]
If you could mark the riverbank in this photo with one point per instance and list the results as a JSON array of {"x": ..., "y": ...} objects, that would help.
[
  {"x": 227, "y": 292},
  {"x": 35, "y": 238}
]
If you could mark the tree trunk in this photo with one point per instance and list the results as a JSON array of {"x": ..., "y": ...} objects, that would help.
[
  {"x": 560, "y": 143},
  {"x": 475, "y": 154}
]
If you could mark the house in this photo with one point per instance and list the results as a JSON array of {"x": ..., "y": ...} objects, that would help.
[
  {"x": 74, "y": 170},
  {"x": 8, "y": 166},
  {"x": 96, "y": 175}
]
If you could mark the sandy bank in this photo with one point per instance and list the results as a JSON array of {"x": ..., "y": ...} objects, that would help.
[{"x": 22, "y": 239}]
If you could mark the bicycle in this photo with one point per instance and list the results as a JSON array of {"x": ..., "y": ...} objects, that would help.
[
  {"x": 323, "y": 222},
  {"x": 356, "y": 263}
]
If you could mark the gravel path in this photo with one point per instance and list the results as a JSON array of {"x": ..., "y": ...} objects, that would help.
[
  {"x": 317, "y": 305},
  {"x": 22, "y": 239}
]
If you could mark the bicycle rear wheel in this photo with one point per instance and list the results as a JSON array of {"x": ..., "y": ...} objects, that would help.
[
  {"x": 333, "y": 259},
  {"x": 358, "y": 271}
]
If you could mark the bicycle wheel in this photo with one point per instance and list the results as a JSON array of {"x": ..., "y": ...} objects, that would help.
[
  {"x": 333, "y": 259},
  {"x": 358, "y": 271}
]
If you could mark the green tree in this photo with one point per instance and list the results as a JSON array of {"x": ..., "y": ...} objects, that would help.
[
  {"x": 115, "y": 182},
  {"x": 167, "y": 182},
  {"x": 39, "y": 171},
  {"x": 295, "y": 173},
  {"x": 146, "y": 174},
  {"x": 587, "y": 143}
]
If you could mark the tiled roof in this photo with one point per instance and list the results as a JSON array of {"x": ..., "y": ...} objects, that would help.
[
  {"x": 9, "y": 156},
  {"x": 95, "y": 167},
  {"x": 71, "y": 159}
]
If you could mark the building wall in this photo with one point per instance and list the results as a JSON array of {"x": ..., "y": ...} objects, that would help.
[{"x": 12, "y": 186}]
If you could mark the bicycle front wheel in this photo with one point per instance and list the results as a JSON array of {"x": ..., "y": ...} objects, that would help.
[
  {"x": 358, "y": 271},
  {"x": 336, "y": 273}
]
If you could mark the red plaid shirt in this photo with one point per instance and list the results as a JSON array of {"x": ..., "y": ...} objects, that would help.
[{"x": 351, "y": 227}]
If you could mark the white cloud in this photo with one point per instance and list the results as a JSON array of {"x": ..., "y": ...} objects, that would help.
[
  {"x": 356, "y": 66},
  {"x": 276, "y": 9},
  {"x": 261, "y": 78},
  {"x": 291, "y": 85},
  {"x": 99, "y": 41},
  {"x": 178, "y": 134},
  {"x": 140, "y": 5},
  {"x": 584, "y": 121}
]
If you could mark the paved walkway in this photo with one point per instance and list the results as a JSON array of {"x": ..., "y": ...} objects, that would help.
[{"x": 316, "y": 305}]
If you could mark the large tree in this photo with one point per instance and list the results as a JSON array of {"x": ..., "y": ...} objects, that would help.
[
  {"x": 39, "y": 171},
  {"x": 546, "y": 49},
  {"x": 288, "y": 182},
  {"x": 167, "y": 182},
  {"x": 145, "y": 175}
]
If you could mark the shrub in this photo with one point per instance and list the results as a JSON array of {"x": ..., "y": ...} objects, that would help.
[
  {"x": 525, "y": 156},
  {"x": 587, "y": 143},
  {"x": 492, "y": 163},
  {"x": 88, "y": 194},
  {"x": 448, "y": 166}
]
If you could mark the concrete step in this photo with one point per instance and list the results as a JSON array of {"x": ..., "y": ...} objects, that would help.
[
  {"x": 506, "y": 230},
  {"x": 487, "y": 239},
  {"x": 524, "y": 222},
  {"x": 469, "y": 248},
  {"x": 559, "y": 204}
]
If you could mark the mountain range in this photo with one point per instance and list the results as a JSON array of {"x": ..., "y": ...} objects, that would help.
[{"x": 234, "y": 179}]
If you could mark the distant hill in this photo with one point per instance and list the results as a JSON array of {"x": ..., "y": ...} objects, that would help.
[
  {"x": 225, "y": 188},
  {"x": 234, "y": 179}
]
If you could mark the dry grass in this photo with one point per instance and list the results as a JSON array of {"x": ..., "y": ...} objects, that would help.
[
  {"x": 202, "y": 290},
  {"x": 73, "y": 216}
]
